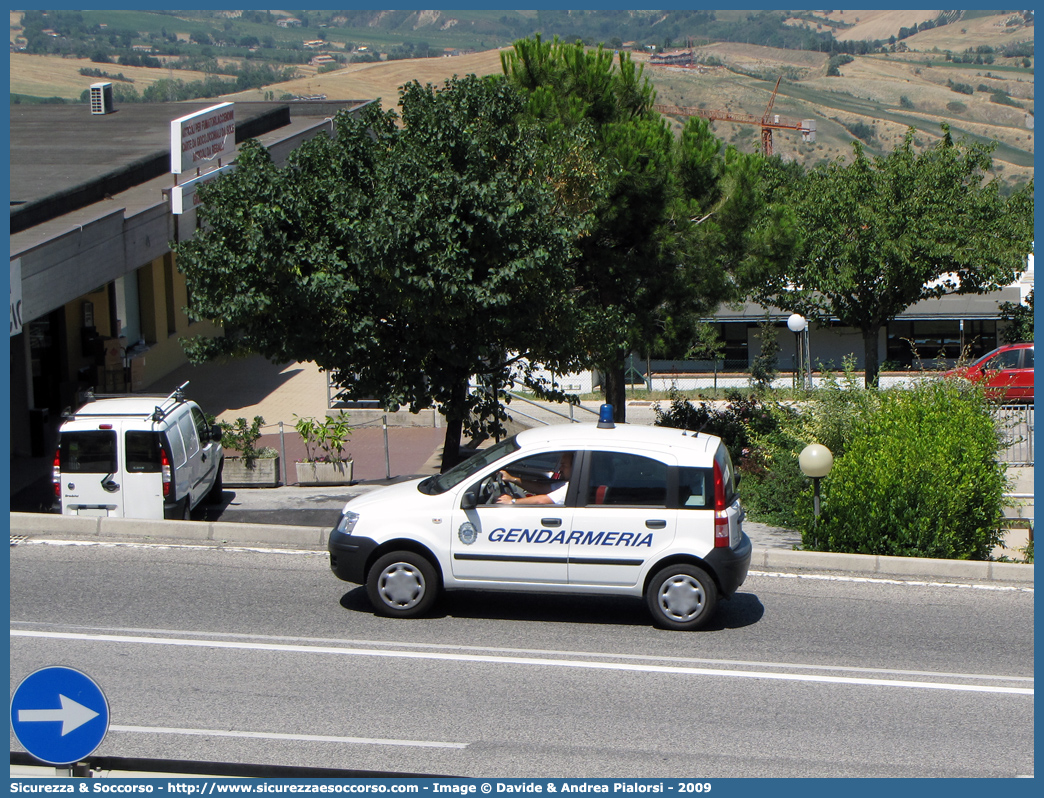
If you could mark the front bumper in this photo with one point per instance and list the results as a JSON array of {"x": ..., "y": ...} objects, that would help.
[
  {"x": 730, "y": 565},
  {"x": 349, "y": 555}
]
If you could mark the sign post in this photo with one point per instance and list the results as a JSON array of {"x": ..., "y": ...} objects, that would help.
[{"x": 59, "y": 715}]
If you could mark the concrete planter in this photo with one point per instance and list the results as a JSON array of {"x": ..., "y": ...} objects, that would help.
[
  {"x": 315, "y": 473},
  {"x": 263, "y": 474}
]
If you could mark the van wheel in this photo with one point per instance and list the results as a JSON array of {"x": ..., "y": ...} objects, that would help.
[
  {"x": 402, "y": 584},
  {"x": 217, "y": 489},
  {"x": 681, "y": 597}
]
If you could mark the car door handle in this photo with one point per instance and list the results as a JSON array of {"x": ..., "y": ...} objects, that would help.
[
  {"x": 551, "y": 521},
  {"x": 656, "y": 524}
]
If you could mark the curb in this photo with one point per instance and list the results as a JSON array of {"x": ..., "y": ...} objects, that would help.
[
  {"x": 878, "y": 565},
  {"x": 137, "y": 530}
]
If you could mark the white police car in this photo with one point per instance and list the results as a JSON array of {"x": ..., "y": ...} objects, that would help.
[{"x": 581, "y": 508}]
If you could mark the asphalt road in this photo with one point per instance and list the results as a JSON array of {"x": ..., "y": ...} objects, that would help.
[{"x": 263, "y": 656}]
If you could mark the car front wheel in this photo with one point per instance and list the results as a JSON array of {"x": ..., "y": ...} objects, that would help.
[
  {"x": 402, "y": 584},
  {"x": 681, "y": 597}
]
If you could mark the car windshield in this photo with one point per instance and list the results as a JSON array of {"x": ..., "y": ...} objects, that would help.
[{"x": 461, "y": 471}]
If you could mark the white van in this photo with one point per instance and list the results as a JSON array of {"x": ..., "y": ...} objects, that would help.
[
  {"x": 581, "y": 508},
  {"x": 137, "y": 456}
]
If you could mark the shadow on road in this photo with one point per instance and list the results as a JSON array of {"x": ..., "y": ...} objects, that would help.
[{"x": 744, "y": 609}]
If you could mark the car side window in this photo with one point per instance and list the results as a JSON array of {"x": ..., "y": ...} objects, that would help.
[
  {"x": 619, "y": 478},
  {"x": 1027, "y": 358},
  {"x": 695, "y": 488},
  {"x": 1008, "y": 359}
]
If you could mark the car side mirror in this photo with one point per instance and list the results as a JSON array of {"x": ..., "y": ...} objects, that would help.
[
  {"x": 469, "y": 501},
  {"x": 215, "y": 433}
]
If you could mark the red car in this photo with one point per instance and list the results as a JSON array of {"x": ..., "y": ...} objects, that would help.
[{"x": 1007, "y": 371}]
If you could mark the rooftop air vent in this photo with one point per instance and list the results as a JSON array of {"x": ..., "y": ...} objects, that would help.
[{"x": 101, "y": 98}]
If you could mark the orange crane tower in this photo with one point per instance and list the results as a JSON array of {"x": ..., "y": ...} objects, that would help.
[{"x": 768, "y": 121}]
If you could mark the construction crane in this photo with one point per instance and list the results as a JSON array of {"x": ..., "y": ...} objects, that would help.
[{"x": 768, "y": 121}]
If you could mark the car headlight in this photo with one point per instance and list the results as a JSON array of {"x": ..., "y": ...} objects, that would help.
[{"x": 347, "y": 522}]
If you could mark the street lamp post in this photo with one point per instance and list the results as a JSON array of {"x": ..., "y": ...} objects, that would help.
[
  {"x": 797, "y": 325},
  {"x": 815, "y": 461}
]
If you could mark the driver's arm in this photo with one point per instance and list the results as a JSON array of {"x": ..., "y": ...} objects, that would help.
[
  {"x": 528, "y": 485},
  {"x": 538, "y": 498}
]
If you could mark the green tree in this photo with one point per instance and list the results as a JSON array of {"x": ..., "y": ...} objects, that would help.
[
  {"x": 619, "y": 272},
  {"x": 404, "y": 260},
  {"x": 1021, "y": 317},
  {"x": 880, "y": 235},
  {"x": 682, "y": 225}
]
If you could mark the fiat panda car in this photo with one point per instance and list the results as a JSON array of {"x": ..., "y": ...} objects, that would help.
[{"x": 601, "y": 509}]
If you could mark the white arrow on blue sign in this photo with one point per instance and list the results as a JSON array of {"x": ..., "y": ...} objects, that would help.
[{"x": 59, "y": 715}]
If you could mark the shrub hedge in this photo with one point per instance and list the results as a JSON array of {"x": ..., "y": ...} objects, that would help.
[{"x": 921, "y": 477}]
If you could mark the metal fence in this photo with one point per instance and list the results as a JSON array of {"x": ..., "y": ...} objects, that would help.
[{"x": 1016, "y": 427}]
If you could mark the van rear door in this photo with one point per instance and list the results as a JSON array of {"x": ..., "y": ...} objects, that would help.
[
  {"x": 90, "y": 472},
  {"x": 142, "y": 474}
]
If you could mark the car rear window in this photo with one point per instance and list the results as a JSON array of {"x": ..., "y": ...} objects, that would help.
[
  {"x": 144, "y": 452},
  {"x": 88, "y": 452}
]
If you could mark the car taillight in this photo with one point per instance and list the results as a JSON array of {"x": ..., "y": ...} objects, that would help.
[
  {"x": 165, "y": 470},
  {"x": 56, "y": 474},
  {"x": 721, "y": 516}
]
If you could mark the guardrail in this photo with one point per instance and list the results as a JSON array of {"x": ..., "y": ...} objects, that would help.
[{"x": 544, "y": 408}]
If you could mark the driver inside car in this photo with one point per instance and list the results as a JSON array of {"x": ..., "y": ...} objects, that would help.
[{"x": 552, "y": 492}]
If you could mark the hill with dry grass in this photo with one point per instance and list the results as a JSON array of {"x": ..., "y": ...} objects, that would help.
[{"x": 876, "y": 98}]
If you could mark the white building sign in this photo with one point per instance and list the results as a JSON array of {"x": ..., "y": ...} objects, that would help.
[
  {"x": 183, "y": 196},
  {"x": 201, "y": 137},
  {"x": 16, "y": 296}
]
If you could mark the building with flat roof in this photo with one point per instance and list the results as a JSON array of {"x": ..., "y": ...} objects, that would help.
[{"x": 97, "y": 301}]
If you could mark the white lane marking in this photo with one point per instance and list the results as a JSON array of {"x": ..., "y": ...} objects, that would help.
[
  {"x": 315, "y": 553},
  {"x": 542, "y": 652},
  {"x": 308, "y": 738},
  {"x": 529, "y": 661},
  {"x": 884, "y": 581},
  {"x": 117, "y": 544}
]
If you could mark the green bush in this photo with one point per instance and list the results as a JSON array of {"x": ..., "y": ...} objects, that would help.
[
  {"x": 920, "y": 477},
  {"x": 771, "y": 480},
  {"x": 733, "y": 423},
  {"x": 773, "y": 488}
]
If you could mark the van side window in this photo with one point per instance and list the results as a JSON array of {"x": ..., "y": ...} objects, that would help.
[
  {"x": 626, "y": 479},
  {"x": 188, "y": 432},
  {"x": 88, "y": 452},
  {"x": 202, "y": 429},
  {"x": 177, "y": 447},
  {"x": 143, "y": 452}
]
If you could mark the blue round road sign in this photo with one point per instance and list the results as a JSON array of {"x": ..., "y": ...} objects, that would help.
[{"x": 59, "y": 715}]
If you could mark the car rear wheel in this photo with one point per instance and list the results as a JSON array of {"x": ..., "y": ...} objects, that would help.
[
  {"x": 402, "y": 584},
  {"x": 681, "y": 597}
]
